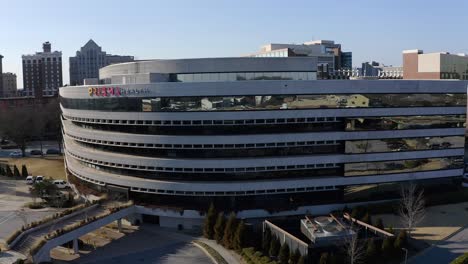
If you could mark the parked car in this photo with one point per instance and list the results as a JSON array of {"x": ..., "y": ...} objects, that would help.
[
  {"x": 35, "y": 152},
  {"x": 61, "y": 184},
  {"x": 16, "y": 154},
  {"x": 39, "y": 179},
  {"x": 53, "y": 152},
  {"x": 30, "y": 179}
]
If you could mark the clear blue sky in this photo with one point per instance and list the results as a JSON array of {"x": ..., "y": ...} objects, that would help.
[{"x": 151, "y": 29}]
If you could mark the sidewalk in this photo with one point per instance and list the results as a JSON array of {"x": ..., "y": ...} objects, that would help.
[
  {"x": 444, "y": 251},
  {"x": 230, "y": 256},
  {"x": 440, "y": 222}
]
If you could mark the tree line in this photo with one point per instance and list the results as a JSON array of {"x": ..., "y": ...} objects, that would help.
[
  {"x": 27, "y": 123},
  {"x": 7, "y": 171}
]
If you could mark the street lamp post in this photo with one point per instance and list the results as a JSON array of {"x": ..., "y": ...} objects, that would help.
[{"x": 406, "y": 254}]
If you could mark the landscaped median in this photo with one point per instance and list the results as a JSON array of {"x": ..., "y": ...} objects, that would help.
[
  {"x": 463, "y": 259},
  {"x": 211, "y": 252}
]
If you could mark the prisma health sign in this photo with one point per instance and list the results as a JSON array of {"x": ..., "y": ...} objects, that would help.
[{"x": 116, "y": 91}]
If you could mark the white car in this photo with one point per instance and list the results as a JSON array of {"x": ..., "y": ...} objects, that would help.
[
  {"x": 39, "y": 179},
  {"x": 30, "y": 179},
  {"x": 61, "y": 184},
  {"x": 16, "y": 154}
]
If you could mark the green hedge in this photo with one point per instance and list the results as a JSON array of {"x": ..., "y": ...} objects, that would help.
[
  {"x": 251, "y": 256},
  {"x": 463, "y": 259}
]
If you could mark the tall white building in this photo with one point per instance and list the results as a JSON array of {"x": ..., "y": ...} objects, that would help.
[{"x": 259, "y": 136}]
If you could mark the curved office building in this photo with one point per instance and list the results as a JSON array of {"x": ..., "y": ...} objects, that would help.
[{"x": 256, "y": 133}]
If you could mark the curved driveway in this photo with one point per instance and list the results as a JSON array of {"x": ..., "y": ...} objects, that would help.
[
  {"x": 149, "y": 245},
  {"x": 445, "y": 251}
]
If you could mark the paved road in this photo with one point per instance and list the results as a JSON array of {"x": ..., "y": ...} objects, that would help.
[
  {"x": 230, "y": 256},
  {"x": 149, "y": 245},
  {"x": 445, "y": 251}
]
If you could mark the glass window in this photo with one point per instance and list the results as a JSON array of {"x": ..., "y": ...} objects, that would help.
[
  {"x": 249, "y": 76},
  {"x": 402, "y": 166},
  {"x": 283, "y": 102},
  {"x": 197, "y": 77},
  {"x": 404, "y": 122},
  {"x": 241, "y": 76},
  {"x": 403, "y": 144},
  {"x": 232, "y": 76}
]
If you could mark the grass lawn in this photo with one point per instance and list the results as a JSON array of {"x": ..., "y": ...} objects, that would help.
[{"x": 49, "y": 167}]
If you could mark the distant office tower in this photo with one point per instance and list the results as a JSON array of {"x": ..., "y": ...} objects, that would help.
[
  {"x": 438, "y": 65},
  {"x": 1, "y": 76},
  {"x": 329, "y": 56},
  {"x": 42, "y": 72},
  {"x": 88, "y": 61},
  {"x": 381, "y": 71},
  {"x": 9, "y": 85}
]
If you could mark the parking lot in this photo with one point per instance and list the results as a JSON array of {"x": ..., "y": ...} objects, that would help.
[{"x": 5, "y": 153}]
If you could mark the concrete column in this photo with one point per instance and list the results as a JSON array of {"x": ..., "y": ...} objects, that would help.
[
  {"x": 119, "y": 225},
  {"x": 75, "y": 246}
]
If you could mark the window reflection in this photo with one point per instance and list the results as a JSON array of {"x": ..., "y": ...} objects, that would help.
[
  {"x": 402, "y": 166},
  {"x": 275, "y": 102},
  {"x": 404, "y": 122},
  {"x": 403, "y": 144},
  {"x": 244, "y": 76},
  {"x": 264, "y": 102}
]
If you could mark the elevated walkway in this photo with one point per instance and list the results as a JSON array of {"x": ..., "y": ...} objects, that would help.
[{"x": 38, "y": 242}]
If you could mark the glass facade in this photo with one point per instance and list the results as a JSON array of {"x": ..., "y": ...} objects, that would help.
[
  {"x": 405, "y": 122},
  {"x": 402, "y": 166},
  {"x": 264, "y": 102},
  {"x": 324, "y": 148},
  {"x": 281, "y": 149},
  {"x": 238, "y": 127},
  {"x": 218, "y": 129},
  {"x": 403, "y": 144},
  {"x": 243, "y": 76},
  {"x": 232, "y": 175}
]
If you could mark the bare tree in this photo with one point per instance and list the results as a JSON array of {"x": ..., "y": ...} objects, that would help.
[
  {"x": 22, "y": 125},
  {"x": 354, "y": 249},
  {"x": 27, "y": 123},
  {"x": 412, "y": 206}
]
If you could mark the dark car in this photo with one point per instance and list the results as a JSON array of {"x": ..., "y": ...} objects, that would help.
[
  {"x": 53, "y": 152},
  {"x": 35, "y": 152}
]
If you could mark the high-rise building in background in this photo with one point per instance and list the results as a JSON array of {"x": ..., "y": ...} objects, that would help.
[
  {"x": 330, "y": 57},
  {"x": 9, "y": 85},
  {"x": 438, "y": 65},
  {"x": 42, "y": 72},
  {"x": 88, "y": 61}
]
